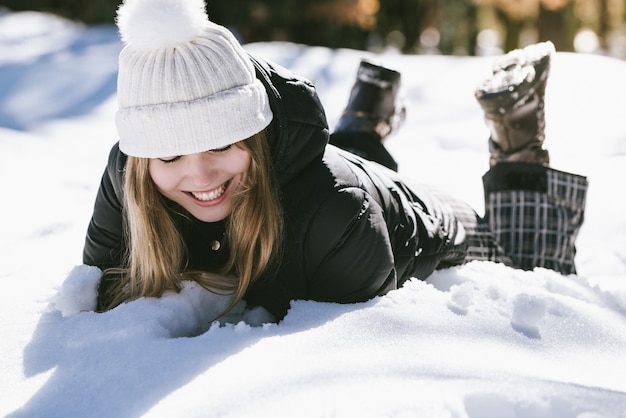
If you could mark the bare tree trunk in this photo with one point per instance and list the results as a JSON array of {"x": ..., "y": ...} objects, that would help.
[
  {"x": 513, "y": 29},
  {"x": 604, "y": 25},
  {"x": 472, "y": 18},
  {"x": 557, "y": 26}
]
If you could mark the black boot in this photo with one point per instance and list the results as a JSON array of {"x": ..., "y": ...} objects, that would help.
[
  {"x": 374, "y": 105},
  {"x": 513, "y": 100}
]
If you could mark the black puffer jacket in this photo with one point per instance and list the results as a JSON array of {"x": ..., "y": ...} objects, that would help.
[{"x": 354, "y": 229}]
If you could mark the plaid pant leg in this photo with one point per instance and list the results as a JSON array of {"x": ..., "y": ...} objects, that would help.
[
  {"x": 535, "y": 214},
  {"x": 481, "y": 244}
]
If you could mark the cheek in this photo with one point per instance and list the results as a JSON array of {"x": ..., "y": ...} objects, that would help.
[
  {"x": 162, "y": 178},
  {"x": 240, "y": 161},
  {"x": 244, "y": 163}
]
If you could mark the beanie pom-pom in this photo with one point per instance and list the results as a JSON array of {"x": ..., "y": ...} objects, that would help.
[{"x": 155, "y": 24}]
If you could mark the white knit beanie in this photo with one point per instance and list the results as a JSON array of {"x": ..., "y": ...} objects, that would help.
[{"x": 185, "y": 84}]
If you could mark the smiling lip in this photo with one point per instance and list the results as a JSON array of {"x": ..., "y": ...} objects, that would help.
[{"x": 212, "y": 196}]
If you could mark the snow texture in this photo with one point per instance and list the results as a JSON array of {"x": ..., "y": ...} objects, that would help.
[{"x": 480, "y": 340}]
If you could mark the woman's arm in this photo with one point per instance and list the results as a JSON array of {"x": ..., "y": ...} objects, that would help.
[{"x": 348, "y": 252}]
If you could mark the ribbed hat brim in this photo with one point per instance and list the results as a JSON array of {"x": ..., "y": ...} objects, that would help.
[{"x": 188, "y": 127}]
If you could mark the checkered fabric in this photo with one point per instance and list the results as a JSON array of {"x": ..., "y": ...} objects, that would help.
[
  {"x": 481, "y": 242},
  {"x": 532, "y": 217},
  {"x": 537, "y": 225}
]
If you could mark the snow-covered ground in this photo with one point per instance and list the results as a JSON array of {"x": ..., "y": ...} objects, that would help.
[{"x": 476, "y": 341}]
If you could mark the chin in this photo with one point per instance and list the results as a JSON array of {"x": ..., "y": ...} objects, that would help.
[{"x": 215, "y": 216}]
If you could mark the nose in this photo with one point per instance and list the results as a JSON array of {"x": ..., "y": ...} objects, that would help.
[{"x": 201, "y": 169}]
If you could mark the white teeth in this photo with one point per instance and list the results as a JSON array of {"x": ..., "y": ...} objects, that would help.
[{"x": 213, "y": 194}]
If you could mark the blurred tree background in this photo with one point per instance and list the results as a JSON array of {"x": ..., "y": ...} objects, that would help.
[{"x": 467, "y": 27}]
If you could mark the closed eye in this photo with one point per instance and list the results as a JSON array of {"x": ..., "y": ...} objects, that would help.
[
  {"x": 171, "y": 159},
  {"x": 219, "y": 150}
]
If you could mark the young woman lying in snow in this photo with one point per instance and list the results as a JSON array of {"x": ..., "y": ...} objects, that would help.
[{"x": 225, "y": 174}]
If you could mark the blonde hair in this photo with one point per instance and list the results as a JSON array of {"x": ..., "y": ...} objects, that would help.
[{"x": 157, "y": 254}]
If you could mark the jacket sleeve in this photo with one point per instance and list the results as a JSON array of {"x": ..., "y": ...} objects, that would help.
[
  {"x": 104, "y": 243},
  {"x": 348, "y": 253}
]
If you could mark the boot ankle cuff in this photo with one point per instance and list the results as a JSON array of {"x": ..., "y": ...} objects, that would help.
[
  {"x": 530, "y": 153},
  {"x": 567, "y": 188},
  {"x": 506, "y": 176}
]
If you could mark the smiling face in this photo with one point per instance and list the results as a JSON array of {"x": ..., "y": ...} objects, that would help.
[{"x": 206, "y": 183}]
